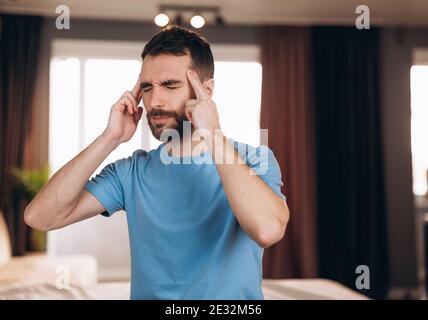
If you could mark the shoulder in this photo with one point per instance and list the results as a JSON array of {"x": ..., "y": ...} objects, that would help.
[
  {"x": 264, "y": 164},
  {"x": 259, "y": 158},
  {"x": 130, "y": 163},
  {"x": 253, "y": 154}
]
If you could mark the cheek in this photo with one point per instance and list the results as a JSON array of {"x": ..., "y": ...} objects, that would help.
[
  {"x": 145, "y": 100},
  {"x": 178, "y": 99}
]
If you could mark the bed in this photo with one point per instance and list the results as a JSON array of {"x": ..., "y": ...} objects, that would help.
[
  {"x": 75, "y": 277},
  {"x": 286, "y": 289}
]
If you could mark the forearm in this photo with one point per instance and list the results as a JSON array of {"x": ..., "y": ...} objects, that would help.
[
  {"x": 259, "y": 210},
  {"x": 59, "y": 196}
]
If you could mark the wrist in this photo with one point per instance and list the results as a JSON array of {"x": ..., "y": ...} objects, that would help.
[
  {"x": 109, "y": 140},
  {"x": 216, "y": 138}
]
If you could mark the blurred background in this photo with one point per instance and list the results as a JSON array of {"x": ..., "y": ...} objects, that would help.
[{"x": 346, "y": 109}]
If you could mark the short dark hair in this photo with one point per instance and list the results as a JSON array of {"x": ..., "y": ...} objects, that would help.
[{"x": 179, "y": 41}]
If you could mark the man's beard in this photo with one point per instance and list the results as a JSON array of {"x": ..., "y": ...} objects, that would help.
[{"x": 179, "y": 119}]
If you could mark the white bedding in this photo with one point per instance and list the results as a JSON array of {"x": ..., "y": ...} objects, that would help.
[{"x": 287, "y": 289}]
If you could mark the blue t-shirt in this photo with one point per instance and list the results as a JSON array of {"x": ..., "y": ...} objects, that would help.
[{"x": 185, "y": 240}]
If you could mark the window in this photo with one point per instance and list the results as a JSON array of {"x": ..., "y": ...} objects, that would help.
[
  {"x": 419, "y": 107},
  {"x": 238, "y": 99},
  {"x": 85, "y": 82}
]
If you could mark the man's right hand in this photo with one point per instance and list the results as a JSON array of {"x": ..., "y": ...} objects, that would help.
[
  {"x": 63, "y": 200},
  {"x": 124, "y": 116}
]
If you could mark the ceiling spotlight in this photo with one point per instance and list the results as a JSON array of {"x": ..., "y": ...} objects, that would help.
[
  {"x": 161, "y": 19},
  {"x": 197, "y": 21}
]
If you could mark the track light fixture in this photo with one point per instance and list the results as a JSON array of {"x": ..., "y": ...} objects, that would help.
[{"x": 196, "y": 16}]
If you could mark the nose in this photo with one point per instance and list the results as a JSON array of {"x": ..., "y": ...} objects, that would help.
[{"x": 154, "y": 98}]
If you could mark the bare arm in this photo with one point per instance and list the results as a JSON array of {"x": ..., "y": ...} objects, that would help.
[
  {"x": 258, "y": 209},
  {"x": 63, "y": 200}
]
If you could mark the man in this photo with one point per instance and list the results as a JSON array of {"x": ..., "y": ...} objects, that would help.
[{"x": 197, "y": 231}]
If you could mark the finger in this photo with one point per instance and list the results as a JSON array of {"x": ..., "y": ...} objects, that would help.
[
  {"x": 189, "y": 116},
  {"x": 140, "y": 96},
  {"x": 136, "y": 91},
  {"x": 138, "y": 114},
  {"x": 121, "y": 106},
  {"x": 188, "y": 111},
  {"x": 132, "y": 98},
  {"x": 191, "y": 102},
  {"x": 129, "y": 107},
  {"x": 200, "y": 92}
]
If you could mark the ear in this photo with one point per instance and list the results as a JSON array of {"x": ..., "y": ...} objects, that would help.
[{"x": 209, "y": 85}]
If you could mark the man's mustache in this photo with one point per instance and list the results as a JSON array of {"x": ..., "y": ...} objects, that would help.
[{"x": 161, "y": 113}]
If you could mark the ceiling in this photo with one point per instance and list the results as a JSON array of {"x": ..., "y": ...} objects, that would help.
[{"x": 296, "y": 12}]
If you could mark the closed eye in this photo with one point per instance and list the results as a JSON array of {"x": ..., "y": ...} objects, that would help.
[
  {"x": 169, "y": 84},
  {"x": 147, "y": 89}
]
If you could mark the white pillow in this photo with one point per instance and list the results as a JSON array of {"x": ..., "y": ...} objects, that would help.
[{"x": 5, "y": 249}]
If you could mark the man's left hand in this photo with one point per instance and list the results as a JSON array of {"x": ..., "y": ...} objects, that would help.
[{"x": 202, "y": 111}]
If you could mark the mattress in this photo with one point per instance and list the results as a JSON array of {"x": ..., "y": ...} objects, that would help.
[{"x": 283, "y": 289}]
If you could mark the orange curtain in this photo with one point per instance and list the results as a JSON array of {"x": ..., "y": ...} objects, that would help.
[{"x": 288, "y": 115}]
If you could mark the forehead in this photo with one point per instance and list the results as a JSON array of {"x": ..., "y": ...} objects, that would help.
[{"x": 164, "y": 66}]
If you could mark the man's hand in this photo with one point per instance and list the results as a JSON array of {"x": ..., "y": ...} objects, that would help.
[
  {"x": 261, "y": 213},
  {"x": 124, "y": 116},
  {"x": 202, "y": 111},
  {"x": 63, "y": 200}
]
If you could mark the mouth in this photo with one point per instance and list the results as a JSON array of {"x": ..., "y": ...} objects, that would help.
[{"x": 159, "y": 119}]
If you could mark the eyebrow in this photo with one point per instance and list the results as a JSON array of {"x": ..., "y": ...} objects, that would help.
[{"x": 167, "y": 82}]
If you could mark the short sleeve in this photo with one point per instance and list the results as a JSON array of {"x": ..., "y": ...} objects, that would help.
[
  {"x": 263, "y": 162},
  {"x": 106, "y": 187}
]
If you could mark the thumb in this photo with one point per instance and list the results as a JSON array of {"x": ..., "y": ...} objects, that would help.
[
  {"x": 188, "y": 113},
  {"x": 138, "y": 114},
  {"x": 189, "y": 108}
]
